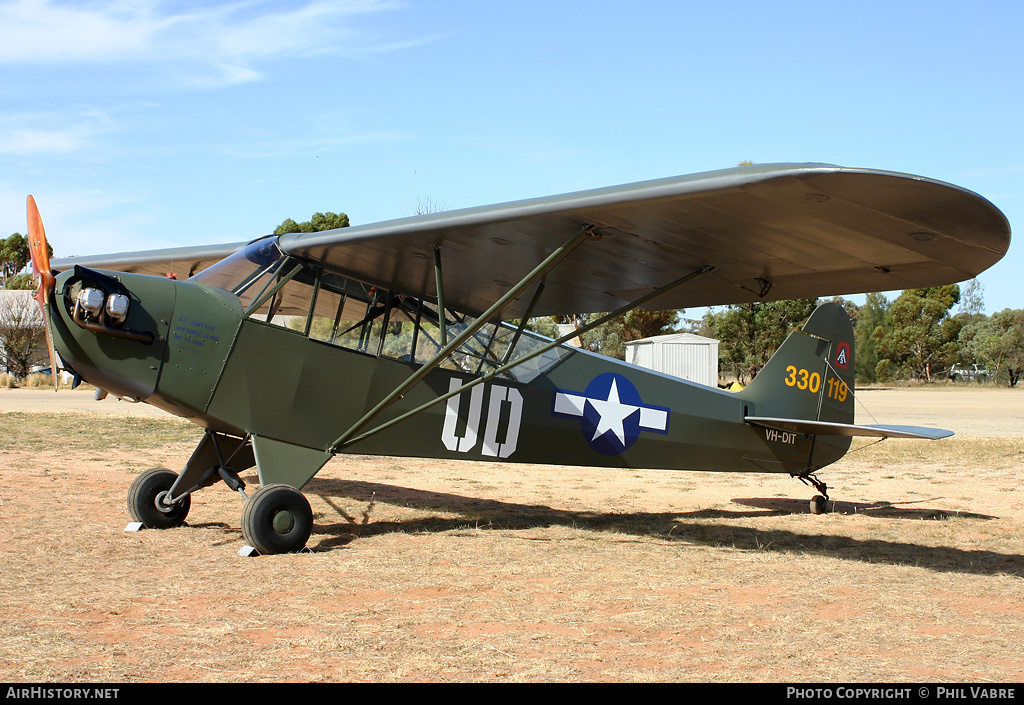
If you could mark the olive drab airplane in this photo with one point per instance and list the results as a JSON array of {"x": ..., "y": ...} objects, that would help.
[{"x": 408, "y": 337}]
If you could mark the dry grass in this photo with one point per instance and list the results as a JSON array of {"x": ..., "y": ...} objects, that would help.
[
  {"x": 33, "y": 381},
  {"x": 427, "y": 571},
  {"x": 40, "y": 380}
]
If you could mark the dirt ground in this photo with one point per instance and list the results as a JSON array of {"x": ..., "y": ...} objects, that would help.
[{"x": 462, "y": 571}]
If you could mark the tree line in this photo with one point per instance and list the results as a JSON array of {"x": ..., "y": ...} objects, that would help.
[
  {"x": 916, "y": 336},
  {"x": 919, "y": 335}
]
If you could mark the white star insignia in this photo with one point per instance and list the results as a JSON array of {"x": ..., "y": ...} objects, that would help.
[{"x": 612, "y": 413}]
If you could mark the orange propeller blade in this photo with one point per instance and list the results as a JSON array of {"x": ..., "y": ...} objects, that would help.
[{"x": 40, "y": 254}]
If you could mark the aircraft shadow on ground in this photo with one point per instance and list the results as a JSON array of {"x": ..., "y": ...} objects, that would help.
[
  {"x": 888, "y": 510},
  {"x": 667, "y": 526}
]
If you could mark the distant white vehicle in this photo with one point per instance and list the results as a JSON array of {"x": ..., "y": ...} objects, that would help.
[{"x": 973, "y": 372}]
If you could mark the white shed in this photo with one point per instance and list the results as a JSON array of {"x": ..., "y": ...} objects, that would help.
[{"x": 685, "y": 355}]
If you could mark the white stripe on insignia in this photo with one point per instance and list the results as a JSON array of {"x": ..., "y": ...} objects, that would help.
[
  {"x": 653, "y": 419},
  {"x": 569, "y": 404},
  {"x": 574, "y": 405}
]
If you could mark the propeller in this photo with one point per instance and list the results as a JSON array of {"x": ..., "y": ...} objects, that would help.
[{"x": 40, "y": 254}]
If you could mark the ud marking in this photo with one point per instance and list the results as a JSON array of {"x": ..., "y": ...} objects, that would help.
[
  {"x": 780, "y": 436},
  {"x": 501, "y": 398}
]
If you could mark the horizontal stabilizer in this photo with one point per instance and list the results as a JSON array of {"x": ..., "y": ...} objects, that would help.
[{"x": 846, "y": 429}]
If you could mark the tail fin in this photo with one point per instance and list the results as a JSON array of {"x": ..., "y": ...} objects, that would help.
[
  {"x": 811, "y": 375},
  {"x": 806, "y": 390},
  {"x": 809, "y": 378}
]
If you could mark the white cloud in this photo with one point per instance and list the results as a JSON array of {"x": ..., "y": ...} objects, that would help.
[
  {"x": 286, "y": 148},
  {"x": 56, "y": 132},
  {"x": 229, "y": 40},
  {"x": 77, "y": 221},
  {"x": 36, "y": 141}
]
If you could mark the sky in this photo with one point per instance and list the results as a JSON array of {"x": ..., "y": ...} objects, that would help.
[{"x": 139, "y": 124}]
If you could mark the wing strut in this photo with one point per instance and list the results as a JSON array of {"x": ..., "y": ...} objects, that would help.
[
  {"x": 347, "y": 439},
  {"x": 442, "y": 322},
  {"x": 539, "y": 271},
  {"x": 522, "y": 323}
]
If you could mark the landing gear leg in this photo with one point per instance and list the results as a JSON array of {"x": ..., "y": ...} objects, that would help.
[
  {"x": 819, "y": 503},
  {"x": 160, "y": 498}
]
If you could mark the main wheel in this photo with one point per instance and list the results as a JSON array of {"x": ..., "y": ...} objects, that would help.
[
  {"x": 146, "y": 500},
  {"x": 277, "y": 519},
  {"x": 819, "y": 505}
]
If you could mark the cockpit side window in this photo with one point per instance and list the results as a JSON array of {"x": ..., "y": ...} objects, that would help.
[
  {"x": 349, "y": 314},
  {"x": 378, "y": 322}
]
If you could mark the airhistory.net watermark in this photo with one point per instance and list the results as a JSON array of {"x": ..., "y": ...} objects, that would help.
[{"x": 53, "y": 693}]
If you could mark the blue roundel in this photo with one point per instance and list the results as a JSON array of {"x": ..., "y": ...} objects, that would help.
[
  {"x": 611, "y": 413},
  {"x": 611, "y": 416}
]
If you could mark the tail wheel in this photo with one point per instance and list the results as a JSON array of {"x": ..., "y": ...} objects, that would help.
[
  {"x": 147, "y": 500},
  {"x": 819, "y": 503},
  {"x": 277, "y": 519}
]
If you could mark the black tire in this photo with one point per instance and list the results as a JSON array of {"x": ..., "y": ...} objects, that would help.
[
  {"x": 819, "y": 505},
  {"x": 144, "y": 500},
  {"x": 277, "y": 519}
]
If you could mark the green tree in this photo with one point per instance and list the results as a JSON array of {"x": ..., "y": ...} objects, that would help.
[
  {"x": 610, "y": 338},
  {"x": 749, "y": 334},
  {"x": 25, "y": 280},
  {"x": 640, "y": 323},
  {"x": 919, "y": 335},
  {"x": 870, "y": 317},
  {"x": 318, "y": 223},
  {"x": 972, "y": 298},
  {"x": 14, "y": 257},
  {"x": 999, "y": 341},
  {"x": 970, "y": 316}
]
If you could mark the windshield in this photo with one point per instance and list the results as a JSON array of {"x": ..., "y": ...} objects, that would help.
[{"x": 246, "y": 272}]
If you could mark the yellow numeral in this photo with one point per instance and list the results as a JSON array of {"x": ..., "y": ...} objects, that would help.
[
  {"x": 837, "y": 389},
  {"x": 803, "y": 379},
  {"x": 791, "y": 379}
]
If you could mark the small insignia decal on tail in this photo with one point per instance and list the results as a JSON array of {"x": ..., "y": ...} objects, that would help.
[{"x": 843, "y": 355}]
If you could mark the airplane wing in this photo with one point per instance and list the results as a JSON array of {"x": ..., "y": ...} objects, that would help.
[
  {"x": 182, "y": 262},
  {"x": 771, "y": 232},
  {"x": 845, "y": 429}
]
